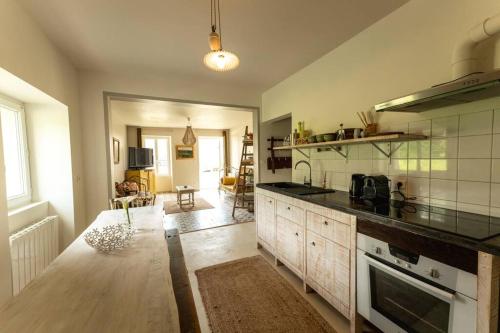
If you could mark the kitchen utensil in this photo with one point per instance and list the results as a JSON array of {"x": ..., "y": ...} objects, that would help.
[
  {"x": 362, "y": 120},
  {"x": 371, "y": 130},
  {"x": 349, "y": 133},
  {"x": 329, "y": 137},
  {"x": 356, "y": 187},
  {"x": 311, "y": 139}
]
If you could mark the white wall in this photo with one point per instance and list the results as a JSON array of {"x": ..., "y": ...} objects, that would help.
[
  {"x": 92, "y": 87},
  {"x": 119, "y": 131},
  {"x": 407, "y": 51},
  {"x": 29, "y": 55},
  {"x": 184, "y": 171},
  {"x": 278, "y": 129},
  {"x": 50, "y": 163}
]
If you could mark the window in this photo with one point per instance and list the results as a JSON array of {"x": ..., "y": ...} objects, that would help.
[
  {"x": 15, "y": 153},
  {"x": 161, "y": 153}
]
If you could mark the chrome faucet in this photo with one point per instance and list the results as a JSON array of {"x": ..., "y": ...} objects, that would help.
[{"x": 308, "y": 183}]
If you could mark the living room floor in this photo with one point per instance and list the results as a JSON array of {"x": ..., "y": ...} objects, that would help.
[
  {"x": 219, "y": 215},
  {"x": 214, "y": 246}
]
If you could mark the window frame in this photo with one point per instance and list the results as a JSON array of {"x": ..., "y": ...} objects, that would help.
[
  {"x": 169, "y": 151},
  {"x": 25, "y": 198}
]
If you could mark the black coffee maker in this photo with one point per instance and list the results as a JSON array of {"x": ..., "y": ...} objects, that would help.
[
  {"x": 376, "y": 188},
  {"x": 356, "y": 187}
]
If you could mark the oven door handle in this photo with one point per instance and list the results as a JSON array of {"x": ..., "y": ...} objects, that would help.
[{"x": 431, "y": 289}]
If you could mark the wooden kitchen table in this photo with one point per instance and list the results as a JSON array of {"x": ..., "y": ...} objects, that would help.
[{"x": 128, "y": 290}]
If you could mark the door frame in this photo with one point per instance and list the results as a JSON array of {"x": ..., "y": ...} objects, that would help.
[{"x": 109, "y": 95}]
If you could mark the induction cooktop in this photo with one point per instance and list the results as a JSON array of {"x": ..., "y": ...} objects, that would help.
[{"x": 470, "y": 225}]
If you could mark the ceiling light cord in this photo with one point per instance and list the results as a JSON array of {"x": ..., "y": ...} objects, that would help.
[{"x": 220, "y": 27}]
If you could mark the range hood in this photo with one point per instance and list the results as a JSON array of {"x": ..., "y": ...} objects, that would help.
[
  {"x": 472, "y": 88},
  {"x": 467, "y": 85}
]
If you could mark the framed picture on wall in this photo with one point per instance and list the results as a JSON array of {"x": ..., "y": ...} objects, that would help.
[
  {"x": 184, "y": 152},
  {"x": 116, "y": 150}
]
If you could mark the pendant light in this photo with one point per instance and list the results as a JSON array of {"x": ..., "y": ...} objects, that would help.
[
  {"x": 189, "y": 139},
  {"x": 218, "y": 59}
]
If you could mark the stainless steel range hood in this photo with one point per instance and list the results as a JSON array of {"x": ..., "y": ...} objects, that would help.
[
  {"x": 468, "y": 85},
  {"x": 472, "y": 88}
]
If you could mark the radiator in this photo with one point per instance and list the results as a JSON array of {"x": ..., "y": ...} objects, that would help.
[{"x": 32, "y": 250}]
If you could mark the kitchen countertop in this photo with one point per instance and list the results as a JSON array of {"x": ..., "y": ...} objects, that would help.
[
  {"x": 472, "y": 231},
  {"x": 82, "y": 290}
]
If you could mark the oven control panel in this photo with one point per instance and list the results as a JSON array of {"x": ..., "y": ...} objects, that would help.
[{"x": 432, "y": 270}]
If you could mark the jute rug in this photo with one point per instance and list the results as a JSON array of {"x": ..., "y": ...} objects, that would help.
[
  {"x": 249, "y": 295},
  {"x": 171, "y": 207}
]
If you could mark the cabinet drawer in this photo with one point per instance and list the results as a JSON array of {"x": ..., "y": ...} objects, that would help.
[
  {"x": 328, "y": 228},
  {"x": 290, "y": 212}
]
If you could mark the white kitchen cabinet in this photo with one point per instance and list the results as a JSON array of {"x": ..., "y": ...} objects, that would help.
[
  {"x": 314, "y": 242},
  {"x": 290, "y": 244},
  {"x": 266, "y": 221}
]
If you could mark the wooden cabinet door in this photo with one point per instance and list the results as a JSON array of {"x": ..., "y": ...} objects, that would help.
[
  {"x": 319, "y": 267},
  {"x": 341, "y": 276},
  {"x": 289, "y": 243},
  {"x": 265, "y": 219}
]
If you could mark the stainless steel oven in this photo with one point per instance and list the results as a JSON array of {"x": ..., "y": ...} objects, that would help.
[{"x": 400, "y": 291}]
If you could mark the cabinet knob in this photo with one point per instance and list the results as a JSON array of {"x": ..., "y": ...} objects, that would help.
[
  {"x": 296, "y": 234},
  {"x": 434, "y": 273},
  {"x": 326, "y": 222},
  {"x": 288, "y": 208},
  {"x": 313, "y": 244},
  {"x": 270, "y": 201}
]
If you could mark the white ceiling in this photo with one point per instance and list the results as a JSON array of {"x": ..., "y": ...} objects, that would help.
[
  {"x": 273, "y": 38},
  {"x": 148, "y": 113}
]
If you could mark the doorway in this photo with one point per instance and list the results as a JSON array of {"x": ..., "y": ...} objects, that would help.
[
  {"x": 211, "y": 161},
  {"x": 162, "y": 161}
]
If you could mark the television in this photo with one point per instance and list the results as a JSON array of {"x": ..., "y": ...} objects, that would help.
[{"x": 140, "y": 158}]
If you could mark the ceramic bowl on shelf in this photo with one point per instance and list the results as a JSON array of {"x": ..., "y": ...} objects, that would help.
[
  {"x": 329, "y": 137},
  {"x": 319, "y": 138}
]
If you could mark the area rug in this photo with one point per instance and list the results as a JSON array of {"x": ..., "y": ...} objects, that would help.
[
  {"x": 249, "y": 295},
  {"x": 171, "y": 207}
]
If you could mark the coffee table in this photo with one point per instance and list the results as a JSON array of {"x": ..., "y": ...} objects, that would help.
[{"x": 185, "y": 189}]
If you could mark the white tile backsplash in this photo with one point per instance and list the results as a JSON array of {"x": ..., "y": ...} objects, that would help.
[
  {"x": 477, "y": 193},
  {"x": 419, "y": 149},
  {"x": 398, "y": 167},
  {"x": 495, "y": 171},
  {"x": 477, "y": 123},
  {"x": 459, "y": 167},
  {"x": 420, "y": 127},
  {"x": 495, "y": 195},
  {"x": 495, "y": 150},
  {"x": 443, "y": 189},
  {"x": 496, "y": 121},
  {"x": 474, "y": 169},
  {"x": 444, "y": 169},
  {"x": 444, "y": 148},
  {"x": 445, "y": 127},
  {"x": 478, "y": 146},
  {"x": 419, "y": 168}
]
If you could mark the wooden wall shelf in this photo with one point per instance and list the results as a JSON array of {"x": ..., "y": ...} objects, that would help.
[{"x": 374, "y": 140}]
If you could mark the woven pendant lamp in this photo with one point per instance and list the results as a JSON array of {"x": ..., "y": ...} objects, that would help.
[{"x": 189, "y": 139}]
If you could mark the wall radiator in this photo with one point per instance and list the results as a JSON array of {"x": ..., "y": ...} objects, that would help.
[{"x": 32, "y": 249}]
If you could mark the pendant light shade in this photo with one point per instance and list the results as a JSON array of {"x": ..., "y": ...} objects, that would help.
[
  {"x": 221, "y": 61},
  {"x": 189, "y": 139},
  {"x": 218, "y": 59}
]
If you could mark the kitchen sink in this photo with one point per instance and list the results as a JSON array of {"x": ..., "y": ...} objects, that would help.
[{"x": 300, "y": 189}]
